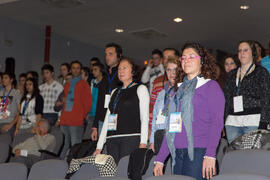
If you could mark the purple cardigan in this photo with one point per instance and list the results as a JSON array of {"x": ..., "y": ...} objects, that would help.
[{"x": 208, "y": 104}]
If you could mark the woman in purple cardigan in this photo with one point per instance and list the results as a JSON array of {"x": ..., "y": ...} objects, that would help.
[{"x": 196, "y": 117}]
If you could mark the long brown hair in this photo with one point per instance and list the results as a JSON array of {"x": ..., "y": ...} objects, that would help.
[{"x": 208, "y": 69}]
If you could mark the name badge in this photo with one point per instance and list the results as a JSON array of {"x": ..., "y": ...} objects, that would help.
[
  {"x": 8, "y": 113},
  {"x": 107, "y": 100},
  {"x": 238, "y": 104},
  {"x": 4, "y": 115},
  {"x": 24, "y": 153},
  {"x": 112, "y": 123},
  {"x": 175, "y": 122},
  {"x": 160, "y": 118}
]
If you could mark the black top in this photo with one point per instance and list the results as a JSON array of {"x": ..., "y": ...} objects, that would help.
[
  {"x": 39, "y": 105},
  {"x": 103, "y": 89},
  {"x": 255, "y": 89},
  {"x": 127, "y": 110}
]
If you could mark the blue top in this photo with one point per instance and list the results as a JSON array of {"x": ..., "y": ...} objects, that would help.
[
  {"x": 94, "y": 91},
  {"x": 159, "y": 105},
  {"x": 266, "y": 63}
]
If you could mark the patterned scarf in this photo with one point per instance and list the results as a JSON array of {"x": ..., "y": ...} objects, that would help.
[
  {"x": 169, "y": 93},
  {"x": 185, "y": 96}
]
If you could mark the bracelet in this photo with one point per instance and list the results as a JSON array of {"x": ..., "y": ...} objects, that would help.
[
  {"x": 204, "y": 157},
  {"x": 157, "y": 162}
]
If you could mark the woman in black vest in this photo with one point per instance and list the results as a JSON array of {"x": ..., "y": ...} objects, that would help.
[{"x": 126, "y": 121}]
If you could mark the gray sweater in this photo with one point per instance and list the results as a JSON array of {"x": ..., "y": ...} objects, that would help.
[{"x": 35, "y": 143}]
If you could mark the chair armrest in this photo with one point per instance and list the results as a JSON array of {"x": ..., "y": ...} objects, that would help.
[{"x": 45, "y": 154}]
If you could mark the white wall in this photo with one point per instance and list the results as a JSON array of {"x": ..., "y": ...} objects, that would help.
[{"x": 26, "y": 43}]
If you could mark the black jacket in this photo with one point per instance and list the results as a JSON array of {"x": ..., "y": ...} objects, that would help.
[
  {"x": 255, "y": 89},
  {"x": 103, "y": 89}
]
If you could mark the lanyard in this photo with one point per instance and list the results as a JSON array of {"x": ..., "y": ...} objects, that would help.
[
  {"x": 167, "y": 99},
  {"x": 117, "y": 97},
  {"x": 110, "y": 80},
  {"x": 163, "y": 80},
  {"x": 25, "y": 106},
  {"x": 239, "y": 79},
  {"x": 6, "y": 97}
]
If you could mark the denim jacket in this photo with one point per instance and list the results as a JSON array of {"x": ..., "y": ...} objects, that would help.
[{"x": 159, "y": 104}]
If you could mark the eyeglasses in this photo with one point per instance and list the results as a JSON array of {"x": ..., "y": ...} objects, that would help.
[
  {"x": 229, "y": 63},
  {"x": 242, "y": 50},
  {"x": 171, "y": 70},
  {"x": 191, "y": 57}
]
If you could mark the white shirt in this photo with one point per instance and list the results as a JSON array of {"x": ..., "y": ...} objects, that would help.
[
  {"x": 29, "y": 114},
  {"x": 50, "y": 94},
  {"x": 244, "y": 120}
]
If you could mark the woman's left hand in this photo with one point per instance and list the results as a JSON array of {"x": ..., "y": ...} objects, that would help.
[
  {"x": 34, "y": 129},
  {"x": 209, "y": 167},
  {"x": 142, "y": 146}
]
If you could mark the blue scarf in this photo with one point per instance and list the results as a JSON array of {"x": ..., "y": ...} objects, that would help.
[
  {"x": 71, "y": 92},
  {"x": 185, "y": 96}
]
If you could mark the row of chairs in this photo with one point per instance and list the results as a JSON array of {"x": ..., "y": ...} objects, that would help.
[
  {"x": 56, "y": 169},
  {"x": 88, "y": 171},
  {"x": 236, "y": 165},
  {"x": 42, "y": 170},
  {"x": 6, "y": 144},
  {"x": 179, "y": 177}
]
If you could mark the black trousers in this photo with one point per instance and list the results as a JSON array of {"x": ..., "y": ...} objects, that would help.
[{"x": 119, "y": 147}]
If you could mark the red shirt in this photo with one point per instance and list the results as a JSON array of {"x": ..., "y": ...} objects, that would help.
[
  {"x": 157, "y": 87},
  {"x": 81, "y": 107}
]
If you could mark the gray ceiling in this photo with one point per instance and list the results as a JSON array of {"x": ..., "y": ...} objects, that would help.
[{"x": 216, "y": 24}]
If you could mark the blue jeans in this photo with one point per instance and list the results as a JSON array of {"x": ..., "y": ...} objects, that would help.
[
  {"x": 51, "y": 117},
  {"x": 233, "y": 132},
  {"x": 73, "y": 135},
  {"x": 184, "y": 166}
]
